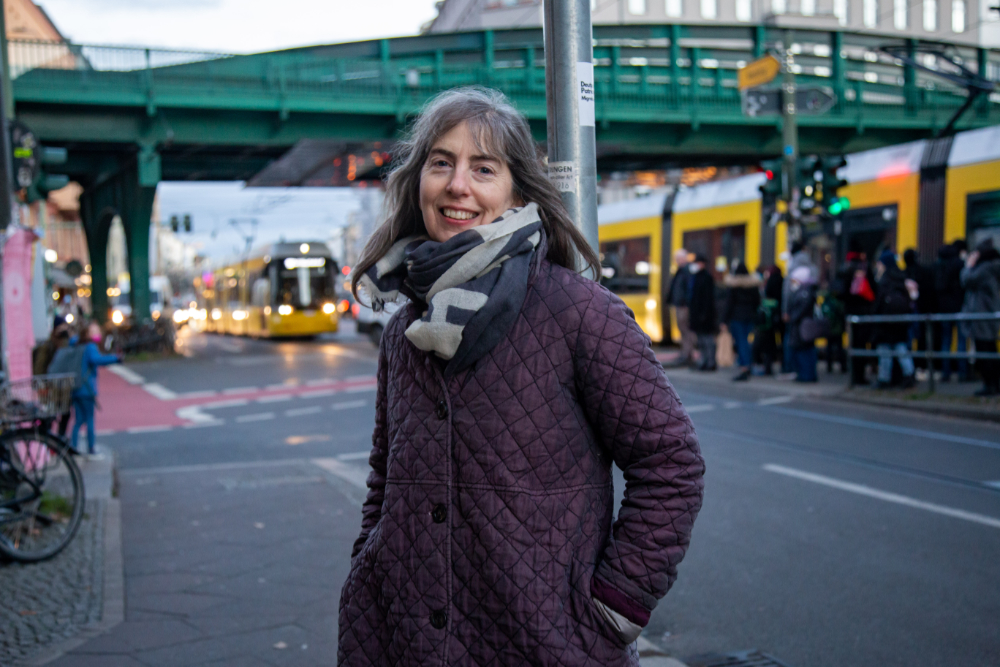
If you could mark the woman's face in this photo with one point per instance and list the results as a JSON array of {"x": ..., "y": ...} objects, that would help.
[{"x": 460, "y": 188}]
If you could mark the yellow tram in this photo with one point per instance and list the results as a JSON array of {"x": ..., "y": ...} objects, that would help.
[
  {"x": 281, "y": 290},
  {"x": 920, "y": 195}
]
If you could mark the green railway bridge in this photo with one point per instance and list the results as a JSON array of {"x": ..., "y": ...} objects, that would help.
[{"x": 131, "y": 117}]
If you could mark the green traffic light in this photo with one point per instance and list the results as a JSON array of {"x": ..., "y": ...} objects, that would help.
[
  {"x": 835, "y": 208},
  {"x": 845, "y": 203}
]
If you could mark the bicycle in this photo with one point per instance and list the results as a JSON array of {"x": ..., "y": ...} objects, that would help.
[{"x": 41, "y": 487}]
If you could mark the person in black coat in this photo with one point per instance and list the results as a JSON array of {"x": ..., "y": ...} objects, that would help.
[
  {"x": 740, "y": 314},
  {"x": 703, "y": 318},
  {"x": 856, "y": 283},
  {"x": 926, "y": 301},
  {"x": 801, "y": 306},
  {"x": 892, "y": 298},
  {"x": 950, "y": 294},
  {"x": 769, "y": 323}
]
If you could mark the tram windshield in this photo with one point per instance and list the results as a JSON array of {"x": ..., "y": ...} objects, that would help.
[{"x": 305, "y": 282}]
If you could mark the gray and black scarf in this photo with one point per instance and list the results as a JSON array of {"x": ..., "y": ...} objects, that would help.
[{"x": 473, "y": 285}]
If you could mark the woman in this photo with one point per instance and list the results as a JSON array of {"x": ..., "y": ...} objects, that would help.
[
  {"x": 85, "y": 395},
  {"x": 742, "y": 302},
  {"x": 892, "y": 297},
  {"x": 769, "y": 324},
  {"x": 801, "y": 303},
  {"x": 506, "y": 388},
  {"x": 981, "y": 280},
  {"x": 703, "y": 317}
]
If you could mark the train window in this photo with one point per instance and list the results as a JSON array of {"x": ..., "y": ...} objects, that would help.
[
  {"x": 720, "y": 246},
  {"x": 305, "y": 285},
  {"x": 983, "y": 219},
  {"x": 625, "y": 265}
]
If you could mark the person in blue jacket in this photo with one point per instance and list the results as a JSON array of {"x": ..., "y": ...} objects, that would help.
[{"x": 85, "y": 396}]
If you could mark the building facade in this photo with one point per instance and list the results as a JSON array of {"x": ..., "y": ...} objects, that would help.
[{"x": 970, "y": 22}]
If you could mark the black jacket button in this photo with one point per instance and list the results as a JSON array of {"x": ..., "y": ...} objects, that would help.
[
  {"x": 439, "y": 513},
  {"x": 441, "y": 410},
  {"x": 438, "y": 619}
]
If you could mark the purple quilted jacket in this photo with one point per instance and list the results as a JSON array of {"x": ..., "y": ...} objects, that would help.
[{"x": 487, "y": 529}]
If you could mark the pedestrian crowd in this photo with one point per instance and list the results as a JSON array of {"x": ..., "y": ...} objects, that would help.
[
  {"x": 75, "y": 350},
  {"x": 768, "y": 318}
]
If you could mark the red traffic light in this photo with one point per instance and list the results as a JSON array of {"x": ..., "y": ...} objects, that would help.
[{"x": 769, "y": 174}]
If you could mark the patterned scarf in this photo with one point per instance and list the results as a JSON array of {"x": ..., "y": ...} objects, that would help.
[{"x": 473, "y": 285}]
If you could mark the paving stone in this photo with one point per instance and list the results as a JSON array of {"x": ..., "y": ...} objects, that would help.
[{"x": 54, "y": 600}]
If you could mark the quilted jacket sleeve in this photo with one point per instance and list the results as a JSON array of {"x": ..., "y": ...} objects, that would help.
[
  {"x": 372, "y": 509},
  {"x": 639, "y": 419}
]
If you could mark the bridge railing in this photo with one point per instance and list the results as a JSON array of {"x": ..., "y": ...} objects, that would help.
[{"x": 680, "y": 71}]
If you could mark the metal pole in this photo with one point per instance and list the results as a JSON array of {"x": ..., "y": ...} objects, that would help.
[
  {"x": 789, "y": 129},
  {"x": 850, "y": 352},
  {"x": 929, "y": 342},
  {"x": 569, "y": 93},
  {"x": 6, "y": 167}
]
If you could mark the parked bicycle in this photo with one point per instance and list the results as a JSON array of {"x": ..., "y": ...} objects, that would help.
[{"x": 41, "y": 486}]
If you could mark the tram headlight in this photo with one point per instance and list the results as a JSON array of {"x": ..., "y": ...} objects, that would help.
[
  {"x": 239, "y": 315},
  {"x": 650, "y": 304},
  {"x": 329, "y": 308},
  {"x": 117, "y": 317},
  {"x": 216, "y": 314},
  {"x": 285, "y": 309}
]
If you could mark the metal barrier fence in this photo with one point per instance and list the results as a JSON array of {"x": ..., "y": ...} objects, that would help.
[{"x": 930, "y": 354}]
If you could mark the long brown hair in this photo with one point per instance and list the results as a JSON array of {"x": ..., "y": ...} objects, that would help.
[{"x": 499, "y": 130}]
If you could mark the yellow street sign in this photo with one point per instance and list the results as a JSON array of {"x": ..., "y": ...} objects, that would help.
[{"x": 759, "y": 72}]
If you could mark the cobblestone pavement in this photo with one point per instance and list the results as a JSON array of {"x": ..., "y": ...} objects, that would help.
[{"x": 51, "y": 601}]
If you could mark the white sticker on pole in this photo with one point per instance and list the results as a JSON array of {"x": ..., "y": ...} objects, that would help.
[
  {"x": 563, "y": 176},
  {"x": 585, "y": 75}
]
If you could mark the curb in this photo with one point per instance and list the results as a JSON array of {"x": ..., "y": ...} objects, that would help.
[
  {"x": 931, "y": 407},
  {"x": 113, "y": 588},
  {"x": 651, "y": 655}
]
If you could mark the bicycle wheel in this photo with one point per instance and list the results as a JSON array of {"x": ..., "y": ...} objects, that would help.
[{"x": 41, "y": 495}]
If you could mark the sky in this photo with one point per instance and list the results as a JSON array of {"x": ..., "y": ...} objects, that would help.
[
  {"x": 242, "y": 26},
  {"x": 235, "y": 26}
]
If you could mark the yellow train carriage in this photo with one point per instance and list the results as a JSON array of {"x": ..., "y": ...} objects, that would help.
[
  {"x": 972, "y": 192},
  {"x": 281, "y": 290},
  {"x": 631, "y": 247}
]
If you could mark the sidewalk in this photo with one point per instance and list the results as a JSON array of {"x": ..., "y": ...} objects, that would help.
[
  {"x": 54, "y": 606},
  {"x": 952, "y": 399}
]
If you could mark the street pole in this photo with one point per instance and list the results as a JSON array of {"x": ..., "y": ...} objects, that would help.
[
  {"x": 789, "y": 134},
  {"x": 6, "y": 108},
  {"x": 569, "y": 93}
]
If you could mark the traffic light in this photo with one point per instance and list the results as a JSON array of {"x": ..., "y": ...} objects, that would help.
[
  {"x": 187, "y": 222},
  {"x": 771, "y": 188},
  {"x": 808, "y": 181},
  {"x": 175, "y": 224},
  {"x": 46, "y": 182},
  {"x": 832, "y": 183}
]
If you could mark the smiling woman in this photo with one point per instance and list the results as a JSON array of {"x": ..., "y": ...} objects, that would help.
[{"x": 506, "y": 387}]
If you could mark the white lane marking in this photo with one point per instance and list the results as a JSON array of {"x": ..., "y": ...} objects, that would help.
[
  {"x": 283, "y": 385},
  {"x": 303, "y": 411},
  {"x": 875, "y": 426},
  {"x": 127, "y": 374},
  {"x": 148, "y": 429},
  {"x": 274, "y": 399},
  {"x": 214, "y": 422},
  {"x": 776, "y": 400},
  {"x": 198, "y": 394},
  {"x": 255, "y": 418},
  {"x": 349, "y": 404},
  {"x": 700, "y": 408},
  {"x": 884, "y": 495},
  {"x": 234, "y": 403},
  {"x": 241, "y": 390},
  {"x": 103, "y": 433},
  {"x": 354, "y": 456},
  {"x": 318, "y": 393},
  {"x": 356, "y": 475},
  {"x": 206, "y": 467},
  {"x": 159, "y": 391},
  {"x": 995, "y": 485},
  {"x": 729, "y": 405},
  {"x": 193, "y": 413}
]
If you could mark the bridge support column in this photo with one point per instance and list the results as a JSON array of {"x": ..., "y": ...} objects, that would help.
[{"x": 127, "y": 193}]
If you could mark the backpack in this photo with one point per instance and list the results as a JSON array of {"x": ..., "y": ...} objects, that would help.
[
  {"x": 896, "y": 301},
  {"x": 767, "y": 314},
  {"x": 69, "y": 360},
  {"x": 832, "y": 310}
]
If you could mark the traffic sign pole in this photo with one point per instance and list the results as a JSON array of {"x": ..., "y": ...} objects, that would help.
[{"x": 789, "y": 130}]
